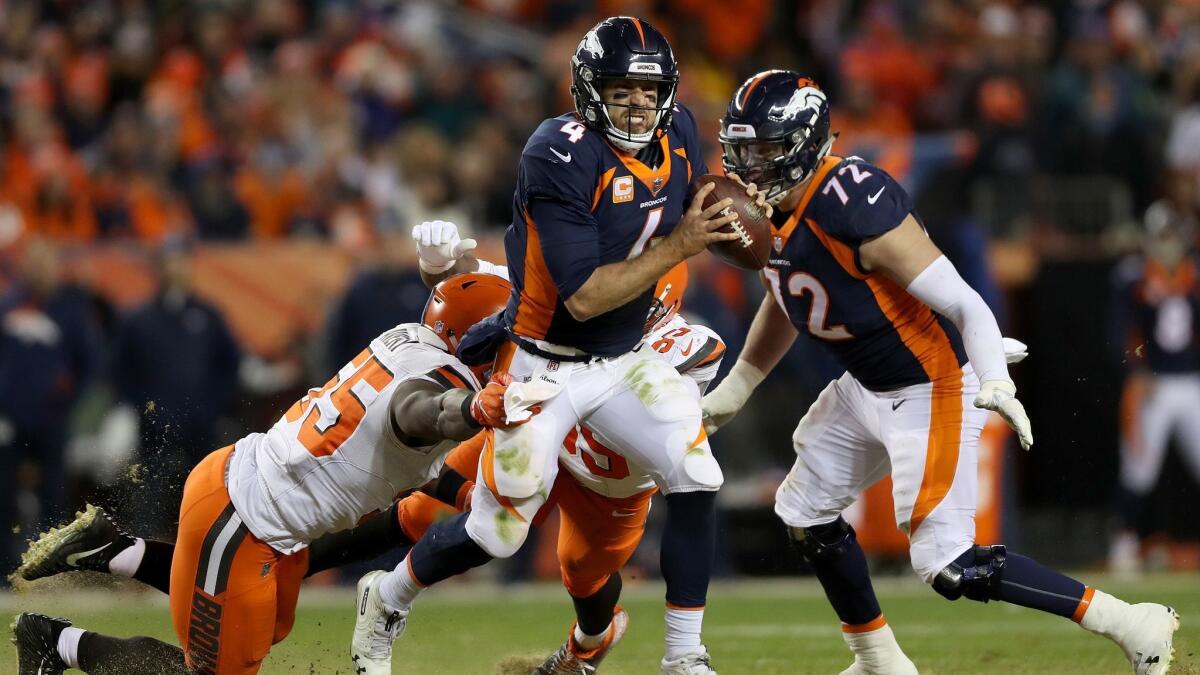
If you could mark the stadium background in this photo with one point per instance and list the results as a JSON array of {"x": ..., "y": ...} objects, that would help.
[{"x": 204, "y": 208}]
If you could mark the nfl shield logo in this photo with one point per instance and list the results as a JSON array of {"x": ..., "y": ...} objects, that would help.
[
  {"x": 656, "y": 185},
  {"x": 552, "y": 366},
  {"x": 778, "y": 244}
]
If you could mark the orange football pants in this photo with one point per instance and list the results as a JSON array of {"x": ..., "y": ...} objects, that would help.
[
  {"x": 596, "y": 534},
  {"x": 232, "y": 596}
]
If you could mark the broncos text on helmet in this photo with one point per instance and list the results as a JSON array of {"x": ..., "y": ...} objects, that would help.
[
  {"x": 776, "y": 131},
  {"x": 625, "y": 48}
]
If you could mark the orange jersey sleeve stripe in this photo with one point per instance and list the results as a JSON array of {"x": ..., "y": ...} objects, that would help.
[
  {"x": 604, "y": 182},
  {"x": 682, "y": 152},
  {"x": 839, "y": 250},
  {"x": 540, "y": 295},
  {"x": 717, "y": 352},
  {"x": 924, "y": 337},
  {"x": 874, "y": 624},
  {"x": 453, "y": 378}
]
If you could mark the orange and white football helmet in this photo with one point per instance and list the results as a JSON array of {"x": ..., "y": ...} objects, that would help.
[
  {"x": 461, "y": 301},
  {"x": 668, "y": 297}
]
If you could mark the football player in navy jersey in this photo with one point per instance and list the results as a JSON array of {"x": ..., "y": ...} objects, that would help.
[
  {"x": 600, "y": 213},
  {"x": 1155, "y": 333},
  {"x": 852, "y": 266}
]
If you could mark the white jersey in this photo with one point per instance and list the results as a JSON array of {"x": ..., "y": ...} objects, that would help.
[
  {"x": 334, "y": 456},
  {"x": 695, "y": 351}
]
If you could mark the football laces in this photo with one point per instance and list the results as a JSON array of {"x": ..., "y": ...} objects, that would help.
[{"x": 740, "y": 231}]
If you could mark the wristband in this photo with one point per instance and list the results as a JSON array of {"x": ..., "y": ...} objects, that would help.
[{"x": 468, "y": 415}]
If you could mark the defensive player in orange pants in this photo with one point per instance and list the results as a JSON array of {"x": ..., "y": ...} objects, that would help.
[
  {"x": 594, "y": 541},
  {"x": 381, "y": 426}
]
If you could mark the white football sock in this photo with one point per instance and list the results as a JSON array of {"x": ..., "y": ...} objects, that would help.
[
  {"x": 683, "y": 630},
  {"x": 126, "y": 563},
  {"x": 399, "y": 588},
  {"x": 1104, "y": 615},
  {"x": 875, "y": 648},
  {"x": 68, "y": 646},
  {"x": 586, "y": 641}
]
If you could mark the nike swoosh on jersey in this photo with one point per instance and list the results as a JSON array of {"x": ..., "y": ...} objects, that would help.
[
  {"x": 565, "y": 158},
  {"x": 688, "y": 350},
  {"x": 870, "y": 200},
  {"x": 73, "y": 559},
  {"x": 899, "y": 403}
]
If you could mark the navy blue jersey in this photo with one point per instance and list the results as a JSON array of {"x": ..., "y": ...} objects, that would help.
[
  {"x": 884, "y": 337},
  {"x": 1156, "y": 315},
  {"x": 580, "y": 204}
]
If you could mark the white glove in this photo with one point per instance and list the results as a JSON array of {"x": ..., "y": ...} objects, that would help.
[
  {"x": 1015, "y": 351},
  {"x": 722, "y": 403},
  {"x": 439, "y": 246},
  {"x": 1000, "y": 396}
]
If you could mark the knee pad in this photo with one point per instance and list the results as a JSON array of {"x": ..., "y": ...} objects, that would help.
[
  {"x": 823, "y": 542},
  {"x": 501, "y": 535},
  {"x": 976, "y": 574}
]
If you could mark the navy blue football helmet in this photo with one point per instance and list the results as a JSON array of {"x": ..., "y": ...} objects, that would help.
[
  {"x": 627, "y": 48},
  {"x": 776, "y": 131}
]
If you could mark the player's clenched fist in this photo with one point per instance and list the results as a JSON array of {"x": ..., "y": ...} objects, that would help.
[
  {"x": 1000, "y": 396},
  {"x": 487, "y": 405},
  {"x": 439, "y": 245}
]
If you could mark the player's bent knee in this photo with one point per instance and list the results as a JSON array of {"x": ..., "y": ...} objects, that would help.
[
  {"x": 583, "y": 582},
  {"x": 976, "y": 574},
  {"x": 501, "y": 535},
  {"x": 823, "y": 542}
]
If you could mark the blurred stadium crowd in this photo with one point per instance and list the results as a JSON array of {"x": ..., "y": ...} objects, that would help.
[{"x": 159, "y": 124}]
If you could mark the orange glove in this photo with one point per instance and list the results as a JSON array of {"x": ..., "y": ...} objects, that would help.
[{"x": 487, "y": 405}]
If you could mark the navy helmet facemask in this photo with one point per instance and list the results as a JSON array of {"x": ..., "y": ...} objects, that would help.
[
  {"x": 776, "y": 131},
  {"x": 623, "y": 48}
]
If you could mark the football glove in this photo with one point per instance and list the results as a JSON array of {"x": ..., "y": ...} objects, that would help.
[
  {"x": 1015, "y": 351},
  {"x": 721, "y": 404},
  {"x": 439, "y": 245},
  {"x": 1000, "y": 396},
  {"x": 487, "y": 405}
]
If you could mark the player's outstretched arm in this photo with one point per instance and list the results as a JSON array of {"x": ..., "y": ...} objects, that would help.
[
  {"x": 610, "y": 286},
  {"x": 442, "y": 253},
  {"x": 907, "y": 256},
  {"x": 424, "y": 413},
  {"x": 771, "y": 335}
]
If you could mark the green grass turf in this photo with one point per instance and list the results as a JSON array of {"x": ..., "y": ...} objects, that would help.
[{"x": 782, "y": 626}]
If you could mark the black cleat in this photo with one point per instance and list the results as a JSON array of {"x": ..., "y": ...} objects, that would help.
[
  {"x": 89, "y": 543},
  {"x": 36, "y": 637}
]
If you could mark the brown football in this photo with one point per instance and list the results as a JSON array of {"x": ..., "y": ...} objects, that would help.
[{"x": 753, "y": 245}]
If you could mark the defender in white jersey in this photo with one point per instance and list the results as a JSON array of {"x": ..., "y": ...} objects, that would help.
[
  {"x": 603, "y": 495},
  {"x": 381, "y": 426}
]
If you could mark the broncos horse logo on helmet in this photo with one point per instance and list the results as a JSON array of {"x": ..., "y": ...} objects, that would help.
[
  {"x": 626, "y": 48},
  {"x": 776, "y": 131}
]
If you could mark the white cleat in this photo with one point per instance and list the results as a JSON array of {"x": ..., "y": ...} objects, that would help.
[
  {"x": 375, "y": 629},
  {"x": 695, "y": 662},
  {"x": 1147, "y": 637}
]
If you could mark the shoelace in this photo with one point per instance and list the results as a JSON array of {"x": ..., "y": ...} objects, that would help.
[{"x": 381, "y": 640}]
